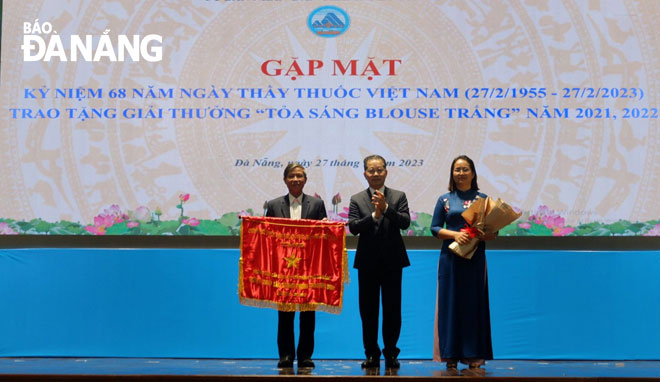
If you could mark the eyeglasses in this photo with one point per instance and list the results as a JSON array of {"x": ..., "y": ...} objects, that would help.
[{"x": 372, "y": 171}]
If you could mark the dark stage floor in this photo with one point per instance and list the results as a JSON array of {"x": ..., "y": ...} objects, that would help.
[{"x": 347, "y": 370}]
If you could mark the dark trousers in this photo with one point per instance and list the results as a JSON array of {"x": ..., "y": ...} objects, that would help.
[
  {"x": 372, "y": 283},
  {"x": 286, "y": 342}
]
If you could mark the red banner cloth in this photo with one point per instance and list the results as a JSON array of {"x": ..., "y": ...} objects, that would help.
[{"x": 292, "y": 265}]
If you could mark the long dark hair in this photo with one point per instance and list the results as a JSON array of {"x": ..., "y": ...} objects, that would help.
[{"x": 452, "y": 184}]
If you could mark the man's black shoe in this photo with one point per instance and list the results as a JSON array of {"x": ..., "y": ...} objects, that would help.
[
  {"x": 307, "y": 363},
  {"x": 371, "y": 362},
  {"x": 392, "y": 363},
  {"x": 285, "y": 362}
]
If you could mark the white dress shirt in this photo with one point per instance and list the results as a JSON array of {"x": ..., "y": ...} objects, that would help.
[{"x": 295, "y": 206}]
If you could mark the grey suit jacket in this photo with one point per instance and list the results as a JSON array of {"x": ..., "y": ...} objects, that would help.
[
  {"x": 382, "y": 244},
  {"x": 311, "y": 208}
]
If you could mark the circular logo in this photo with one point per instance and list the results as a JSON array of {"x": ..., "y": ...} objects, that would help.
[{"x": 328, "y": 21}]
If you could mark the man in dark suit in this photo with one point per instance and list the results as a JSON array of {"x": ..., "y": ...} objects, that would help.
[
  {"x": 296, "y": 205},
  {"x": 377, "y": 215}
]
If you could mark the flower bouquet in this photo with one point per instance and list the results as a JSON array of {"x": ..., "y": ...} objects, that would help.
[{"x": 484, "y": 216}]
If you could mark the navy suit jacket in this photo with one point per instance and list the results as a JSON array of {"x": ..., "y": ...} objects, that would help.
[
  {"x": 379, "y": 245},
  {"x": 311, "y": 208}
]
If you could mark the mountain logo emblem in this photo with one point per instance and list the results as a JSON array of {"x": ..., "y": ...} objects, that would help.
[{"x": 328, "y": 21}]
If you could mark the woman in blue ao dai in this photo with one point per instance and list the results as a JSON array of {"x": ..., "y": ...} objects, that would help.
[{"x": 462, "y": 332}]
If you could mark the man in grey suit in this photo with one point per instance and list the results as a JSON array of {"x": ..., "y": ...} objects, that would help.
[
  {"x": 296, "y": 205},
  {"x": 377, "y": 215}
]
